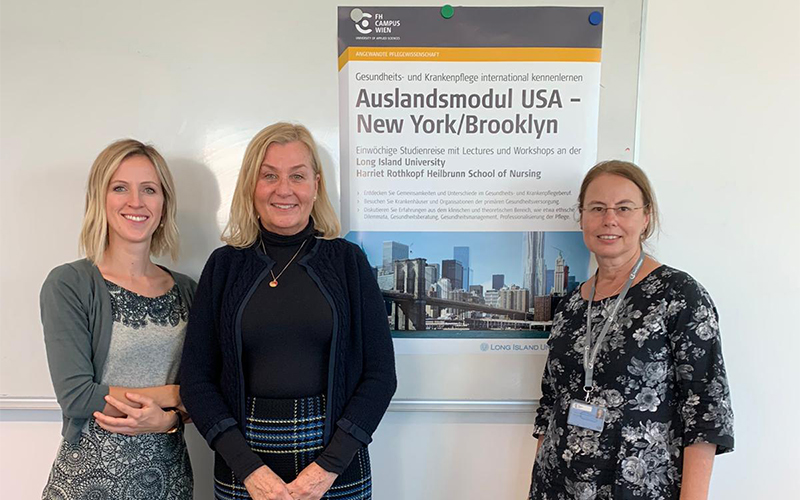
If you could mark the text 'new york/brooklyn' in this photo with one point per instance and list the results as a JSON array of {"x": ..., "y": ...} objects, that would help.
[{"x": 459, "y": 124}]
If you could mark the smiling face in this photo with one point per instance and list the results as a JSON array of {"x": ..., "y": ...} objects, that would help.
[
  {"x": 613, "y": 234},
  {"x": 286, "y": 188},
  {"x": 134, "y": 202}
]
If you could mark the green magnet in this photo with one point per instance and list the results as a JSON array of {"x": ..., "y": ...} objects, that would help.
[{"x": 448, "y": 11}]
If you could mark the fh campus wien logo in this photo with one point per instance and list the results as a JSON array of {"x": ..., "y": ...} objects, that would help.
[
  {"x": 362, "y": 20},
  {"x": 367, "y": 23}
]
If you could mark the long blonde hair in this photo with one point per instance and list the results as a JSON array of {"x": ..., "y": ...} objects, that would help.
[
  {"x": 243, "y": 226},
  {"x": 93, "y": 240}
]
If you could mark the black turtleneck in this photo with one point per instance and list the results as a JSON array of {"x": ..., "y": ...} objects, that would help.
[
  {"x": 286, "y": 330},
  {"x": 286, "y": 339}
]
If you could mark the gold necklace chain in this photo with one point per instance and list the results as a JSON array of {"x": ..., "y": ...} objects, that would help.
[
  {"x": 274, "y": 281},
  {"x": 615, "y": 291}
]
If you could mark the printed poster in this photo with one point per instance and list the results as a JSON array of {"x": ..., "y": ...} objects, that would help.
[{"x": 464, "y": 140}]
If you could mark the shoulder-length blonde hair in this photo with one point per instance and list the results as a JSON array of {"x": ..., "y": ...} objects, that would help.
[
  {"x": 633, "y": 173},
  {"x": 94, "y": 233},
  {"x": 243, "y": 225}
]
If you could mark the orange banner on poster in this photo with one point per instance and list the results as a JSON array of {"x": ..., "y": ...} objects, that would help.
[{"x": 477, "y": 54}]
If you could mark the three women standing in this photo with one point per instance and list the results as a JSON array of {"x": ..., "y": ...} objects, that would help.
[
  {"x": 288, "y": 365},
  {"x": 635, "y": 399},
  {"x": 114, "y": 326}
]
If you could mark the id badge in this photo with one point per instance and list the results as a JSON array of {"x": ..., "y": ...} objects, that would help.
[{"x": 587, "y": 416}]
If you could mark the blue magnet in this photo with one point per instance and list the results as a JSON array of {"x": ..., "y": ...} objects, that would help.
[{"x": 595, "y": 18}]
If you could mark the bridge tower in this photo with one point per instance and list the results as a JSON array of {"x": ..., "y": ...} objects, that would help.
[{"x": 409, "y": 277}]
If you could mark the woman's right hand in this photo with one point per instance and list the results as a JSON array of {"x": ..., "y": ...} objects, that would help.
[
  {"x": 263, "y": 484},
  {"x": 148, "y": 418}
]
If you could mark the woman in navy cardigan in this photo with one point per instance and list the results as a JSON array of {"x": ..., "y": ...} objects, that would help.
[{"x": 288, "y": 364}]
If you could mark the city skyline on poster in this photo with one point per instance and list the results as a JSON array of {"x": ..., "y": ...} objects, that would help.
[{"x": 474, "y": 280}]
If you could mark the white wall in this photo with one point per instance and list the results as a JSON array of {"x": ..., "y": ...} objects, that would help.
[{"x": 720, "y": 129}]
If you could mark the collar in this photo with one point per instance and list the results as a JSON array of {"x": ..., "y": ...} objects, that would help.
[{"x": 279, "y": 240}]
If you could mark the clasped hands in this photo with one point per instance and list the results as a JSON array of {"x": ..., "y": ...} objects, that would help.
[
  {"x": 149, "y": 418},
  {"x": 310, "y": 484}
]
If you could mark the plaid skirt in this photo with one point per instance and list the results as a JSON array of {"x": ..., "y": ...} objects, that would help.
[{"x": 287, "y": 435}]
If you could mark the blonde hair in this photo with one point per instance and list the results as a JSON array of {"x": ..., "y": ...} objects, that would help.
[
  {"x": 634, "y": 174},
  {"x": 243, "y": 226},
  {"x": 94, "y": 233}
]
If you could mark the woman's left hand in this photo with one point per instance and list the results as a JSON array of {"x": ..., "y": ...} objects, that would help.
[
  {"x": 311, "y": 483},
  {"x": 150, "y": 418}
]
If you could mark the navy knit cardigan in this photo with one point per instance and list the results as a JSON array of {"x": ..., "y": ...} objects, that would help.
[{"x": 361, "y": 372}]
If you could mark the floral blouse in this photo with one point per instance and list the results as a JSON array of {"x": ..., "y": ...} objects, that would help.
[{"x": 661, "y": 377}]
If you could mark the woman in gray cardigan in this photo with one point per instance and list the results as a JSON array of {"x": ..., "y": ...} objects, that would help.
[{"x": 114, "y": 326}]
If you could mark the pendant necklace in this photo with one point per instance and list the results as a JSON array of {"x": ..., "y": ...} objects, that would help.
[{"x": 274, "y": 281}]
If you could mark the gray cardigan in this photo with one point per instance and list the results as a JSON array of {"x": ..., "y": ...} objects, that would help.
[{"x": 76, "y": 317}]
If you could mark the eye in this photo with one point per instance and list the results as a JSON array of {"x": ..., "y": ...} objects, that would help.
[
  {"x": 298, "y": 177},
  {"x": 118, "y": 189},
  {"x": 269, "y": 175},
  {"x": 150, "y": 190},
  {"x": 624, "y": 210},
  {"x": 597, "y": 210}
]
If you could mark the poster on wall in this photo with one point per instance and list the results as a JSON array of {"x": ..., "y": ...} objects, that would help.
[{"x": 464, "y": 136}]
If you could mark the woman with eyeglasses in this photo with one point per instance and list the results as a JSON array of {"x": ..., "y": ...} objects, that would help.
[{"x": 635, "y": 400}]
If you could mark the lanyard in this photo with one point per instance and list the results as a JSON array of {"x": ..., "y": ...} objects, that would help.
[{"x": 589, "y": 359}]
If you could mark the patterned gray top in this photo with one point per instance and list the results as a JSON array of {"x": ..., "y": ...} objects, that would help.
[
  {"x": 149, "y": 331},
  {"x": 661, "y": 376}
]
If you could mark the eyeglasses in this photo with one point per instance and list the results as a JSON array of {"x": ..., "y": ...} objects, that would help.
[{"x": 598, "y": 212}]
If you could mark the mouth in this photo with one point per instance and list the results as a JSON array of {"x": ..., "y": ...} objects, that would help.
[
  {"x": 609, "y": 237},
  {"x": 283, "y": 206},
  {"x": 136, "y": 218}
]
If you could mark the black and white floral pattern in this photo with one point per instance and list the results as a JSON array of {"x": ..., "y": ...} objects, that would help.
[
  {"x": 106, "y": 466},
  {"x": 137, "y": 311},
  {"x": 661, "y": 376}
]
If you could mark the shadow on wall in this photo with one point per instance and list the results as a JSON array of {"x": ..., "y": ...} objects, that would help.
[
  {"x": 198, "y": 204},
  {"x": 331, "y": 174},
  {"x": 202, "y": 464}
]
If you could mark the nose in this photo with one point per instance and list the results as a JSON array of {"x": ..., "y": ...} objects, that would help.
[
  {"x": 610, "y": 216},
  {"x": 283, "y": 188},
  {"x": 134, "y": 199}
]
